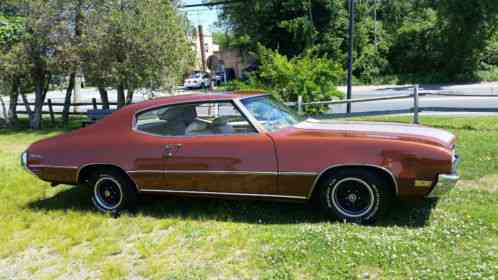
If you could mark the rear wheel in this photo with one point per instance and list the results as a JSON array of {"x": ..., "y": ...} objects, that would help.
[
  {"x": 112, "y": 192},
  {"x": 355, "y": 195}
]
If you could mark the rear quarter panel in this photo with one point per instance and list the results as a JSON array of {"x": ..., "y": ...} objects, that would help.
[{"x": 58, "y": 159}]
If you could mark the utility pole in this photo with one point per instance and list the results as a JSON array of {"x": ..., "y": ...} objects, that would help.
[
  {"x": 350, "y": 52},
  {"x": 201, "y": 42}
]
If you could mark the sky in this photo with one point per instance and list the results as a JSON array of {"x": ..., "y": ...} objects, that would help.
[{"x": 201, "y": 15}]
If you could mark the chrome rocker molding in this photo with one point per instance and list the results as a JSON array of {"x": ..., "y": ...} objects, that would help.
[
  {"x": 259, "y": 173},
  {"x": 225, "y": 194},
  {"x": 354, "y": 165},
  {"x": 204, "y": 172},
  {"x": 52, "y": 166}
]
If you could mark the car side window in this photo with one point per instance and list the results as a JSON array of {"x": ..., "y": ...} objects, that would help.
[{"x": 208, "y": 118}]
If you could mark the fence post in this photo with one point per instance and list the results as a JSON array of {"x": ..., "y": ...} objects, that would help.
[
  {"x": 94, "y": 102},
  {"x": 415, "y": 104},
  {"x": 300, "y": 104},
  {"x": 51, "y": 111}
]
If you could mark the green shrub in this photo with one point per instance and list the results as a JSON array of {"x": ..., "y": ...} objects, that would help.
[
  {"x": 252, "y": 84},
  {"x": 314, "y": 78}
]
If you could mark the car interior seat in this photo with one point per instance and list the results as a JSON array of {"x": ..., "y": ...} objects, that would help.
[{"x": 178, "y": 119}]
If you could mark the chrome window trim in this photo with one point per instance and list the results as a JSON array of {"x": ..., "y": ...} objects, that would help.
[
  {"x": 224, "y": 193},
  {"x": 233, "y": 101},
  {"x": 263, "y": 128},
  {"x": 250, "y": 118},
  {"x": 354, "y": 165}
]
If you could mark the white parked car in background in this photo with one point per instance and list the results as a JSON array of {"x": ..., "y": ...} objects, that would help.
[{"x": 197, "y": 80}]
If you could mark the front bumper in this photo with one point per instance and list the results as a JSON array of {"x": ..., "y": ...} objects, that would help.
[
  {"x": 24, "y": 163},
  {"x": 446, "y": 182}
]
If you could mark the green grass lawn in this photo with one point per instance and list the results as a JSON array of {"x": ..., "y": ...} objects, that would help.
[{"x": 53, "y": 233}]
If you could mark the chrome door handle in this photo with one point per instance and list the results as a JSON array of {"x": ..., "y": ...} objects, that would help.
[{"x": 169, "y": 149}]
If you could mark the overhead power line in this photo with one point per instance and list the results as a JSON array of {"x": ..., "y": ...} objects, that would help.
[{"x": 210, "y": 4}]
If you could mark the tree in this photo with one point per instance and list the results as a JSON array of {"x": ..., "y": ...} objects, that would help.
[
  {"x": 130, "y": 45},
  {"x": 468, "y": 27},
  {"x": 289, "y": 26},
  {"x": 76, "y": 11},
  {"x": 12, "y": 68},
  {"x": 441, "y": 40},
  {"x": 43, "y": 52},
  {"x": 294, "y": 27}
]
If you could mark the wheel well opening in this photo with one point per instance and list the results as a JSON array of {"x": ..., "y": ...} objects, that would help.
[
  {"x": 381, "y": 172},
  {"x": 86, "y": 172}
]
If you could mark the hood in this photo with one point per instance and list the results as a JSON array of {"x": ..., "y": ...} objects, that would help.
[{"x": 404, "y": 132}]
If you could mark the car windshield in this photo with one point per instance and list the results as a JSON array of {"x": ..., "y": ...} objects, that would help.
[
  {"x": 196, "y": 76},
  {"x": 271, "y": 113}
]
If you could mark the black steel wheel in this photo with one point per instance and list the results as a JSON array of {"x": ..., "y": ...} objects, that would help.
[
  {"x": 113, "y": 192},
  {"x": 355, "y": 195}
]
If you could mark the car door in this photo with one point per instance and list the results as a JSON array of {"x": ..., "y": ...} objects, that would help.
[
  {"x": 238, "y": 164},
  {"x": 216, "y": 150},
  {"x": 149, "y": 161},
  {"x": 153, "y": 131}
]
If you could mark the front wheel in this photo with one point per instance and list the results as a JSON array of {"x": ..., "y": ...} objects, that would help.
[
  {"x": 355, "y": 196},
  {"x": 112, "y": 192}
]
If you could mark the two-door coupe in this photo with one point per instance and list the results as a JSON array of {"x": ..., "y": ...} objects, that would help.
[{"x": 248, "y": 145}]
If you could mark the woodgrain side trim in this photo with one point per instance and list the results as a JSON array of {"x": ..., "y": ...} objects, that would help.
[
  {"x": 54, "y": 173},
  {"x": 224, "y": 194}
]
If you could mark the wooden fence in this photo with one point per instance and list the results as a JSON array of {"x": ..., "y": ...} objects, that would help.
[
  {"x": 300, "y": 105},
  {"x": 416, "y": 109},
  {"x": 52, "y": 112}
]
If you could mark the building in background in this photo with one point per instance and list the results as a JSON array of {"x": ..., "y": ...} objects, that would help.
[
  {"x": 203, "y": 43},
  {"x": 238, "y": 62},
  {"x": 235, "y": 62}
]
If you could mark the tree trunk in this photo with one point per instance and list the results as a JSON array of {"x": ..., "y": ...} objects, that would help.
[
  {"x": 4, "y": 111},
  {"x": 35, "y": 118},
  {"x": 25, "y": 101},
  {"x": 129, "y": 96},
  {"x": 41, "y": 89},
  {"x": 104, "y": 97},
  {"x": 121, "y": 95},
  {"x": 12, "y": 113},
  {"x": 67, "y": 99}
]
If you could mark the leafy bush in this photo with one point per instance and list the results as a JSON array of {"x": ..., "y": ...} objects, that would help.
[
  {"x": 314, "y": 78},
  {"x": 251, "y": 84}
]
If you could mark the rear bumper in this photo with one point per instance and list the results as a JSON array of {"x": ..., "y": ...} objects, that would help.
[{"x": 446, "y": 182}]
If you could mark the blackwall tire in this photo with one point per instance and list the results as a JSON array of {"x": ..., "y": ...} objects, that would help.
[
  {"x": 113, "y": 192},
  {"x": 355, "y": 196}
]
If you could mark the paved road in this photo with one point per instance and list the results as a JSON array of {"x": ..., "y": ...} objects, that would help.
[
  {"x": 425, "y": 101},
  {"x": 358, "y": 92}
]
